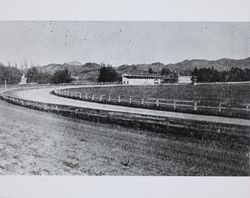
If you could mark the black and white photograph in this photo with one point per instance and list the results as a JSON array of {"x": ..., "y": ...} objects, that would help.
[{"x": 124, "y": 98}]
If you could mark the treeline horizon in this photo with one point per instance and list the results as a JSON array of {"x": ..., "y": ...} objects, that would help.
[
  {"x": 213, "y": 75},
  {"x": 33, "y": 75},
  {"x": 13, "y": 75},
  {"x": 108, "y": 73}
]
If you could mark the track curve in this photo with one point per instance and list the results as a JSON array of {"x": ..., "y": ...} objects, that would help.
[
  {"x": 44, "y": 95},
  {"x": 35, "y": 142}
]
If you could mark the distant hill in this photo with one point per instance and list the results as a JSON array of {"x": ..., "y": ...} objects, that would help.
[
  {"x": 140, "y": 68},
  {"x": 186, "y": 65},
  {"x": 89, "y": 72},
  {"x": 86, "y": 72},
  {"x": 221, "y": 64}
]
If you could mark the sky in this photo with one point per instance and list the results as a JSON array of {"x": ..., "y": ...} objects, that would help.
[{"x": 117, "y": 43}]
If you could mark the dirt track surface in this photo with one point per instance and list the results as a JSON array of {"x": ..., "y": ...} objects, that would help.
[
  {"x": 43, "y": 95},
  {"x": 34, "y": 142}
]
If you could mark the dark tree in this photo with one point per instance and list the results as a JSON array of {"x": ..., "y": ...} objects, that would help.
[
  {"x": 165, "y": 71},
  {"x": 12, "y": 75},
  {"x": 44, "y": 78},
  {"x": 61, "y": 76},
  {"x": 107, "y": 74},
  {"x": 150, "y": 70},
  {"x": 32, "y": 75},
  {"x": 213, "y": 75}
]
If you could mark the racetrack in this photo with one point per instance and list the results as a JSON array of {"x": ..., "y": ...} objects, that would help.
[
  {"x": 43, "y": 95},
  {"x": 35, "y": 142}
]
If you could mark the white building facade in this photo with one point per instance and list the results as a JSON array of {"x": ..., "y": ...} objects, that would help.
[
  {"x": 140, "y": 79},
  {"x": 185, "y": 79},
  {"x": 154, "y": 80}
]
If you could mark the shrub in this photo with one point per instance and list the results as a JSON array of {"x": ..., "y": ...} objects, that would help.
[
  {"x": 12, "y": 75},
  {"x": 108, "y": 74}
]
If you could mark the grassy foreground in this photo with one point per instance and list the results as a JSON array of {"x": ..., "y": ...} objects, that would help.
[{"x": 39, "y": 143}]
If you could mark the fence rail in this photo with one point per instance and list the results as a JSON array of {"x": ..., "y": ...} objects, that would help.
[
  {"x": 146, "y": 121},
  {"x": 241, "y": 110},
  {"x": 192, "y": 104},
  {"x": 133, "y": 120}
]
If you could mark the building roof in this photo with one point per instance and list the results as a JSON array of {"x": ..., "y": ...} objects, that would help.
[{"x": 142, "y": 76}]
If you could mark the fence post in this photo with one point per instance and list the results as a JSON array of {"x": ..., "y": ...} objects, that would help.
[
  {"x": 109, "y": 98},
  {"x": 119, "y": 99},
  {"x": 142, "y": 101},
  {"x": 86, "y": 96},
  {"x": 220, "y": 107},
  {"x": 157, "y": 103},
  {"x": 130, "y": 100},
  {"x": 100, "y": 98},
  {"x": 195, "y": 106},
  {"x": 93, "y": 97}
]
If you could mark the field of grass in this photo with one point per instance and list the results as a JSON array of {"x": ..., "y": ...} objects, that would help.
[
  {"x": 39, "y": 143},
  {"x": 222, "y": 92},
  {"x": 232, "y": 97}
]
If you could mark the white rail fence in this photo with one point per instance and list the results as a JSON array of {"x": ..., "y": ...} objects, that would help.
[
  {"x": 158, "y": 102},
  {"x": 170, "y": 122}
]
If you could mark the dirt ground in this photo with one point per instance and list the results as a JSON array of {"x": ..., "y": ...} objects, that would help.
[{"x": 40, "y": 143}]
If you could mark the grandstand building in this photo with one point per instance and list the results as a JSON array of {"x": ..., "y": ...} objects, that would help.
[
  {"x": 155, "y": 80},
  {"x": 141, "y": 79}
]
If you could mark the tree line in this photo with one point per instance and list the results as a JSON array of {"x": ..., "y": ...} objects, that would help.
[
  {"x": 10, "y": 75},
  {"x": 213, "y": 75},
  {"x": 60, "y": 76},
  {"x": 107, "y": 73}
]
